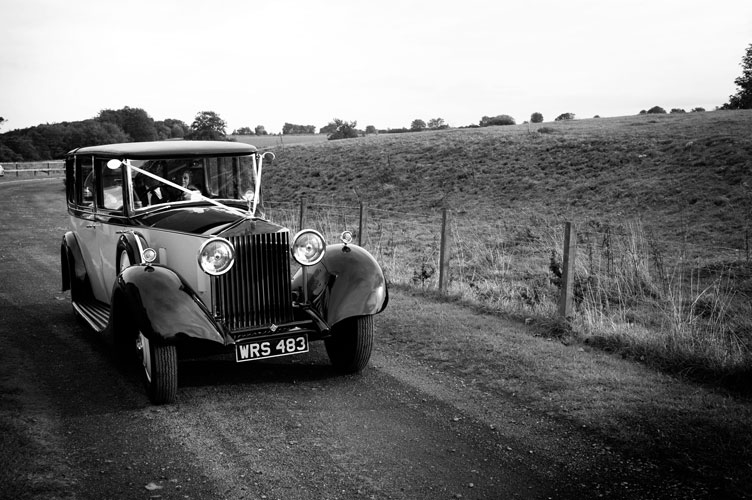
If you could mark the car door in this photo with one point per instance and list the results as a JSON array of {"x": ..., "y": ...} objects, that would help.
[
  {"x": 111, "y": 221},
  {"x": 85, "y": 224}
]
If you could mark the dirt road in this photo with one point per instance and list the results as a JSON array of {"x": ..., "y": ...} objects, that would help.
[{"x": 74, "y": 425}]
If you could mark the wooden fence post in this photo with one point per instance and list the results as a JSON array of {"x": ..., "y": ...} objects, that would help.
[
  {"x": 302, "y": 212},
  {"x": 567, "y": 270},
  {"x": 443, "y": 262},
  {"x": 362, "y": 221}
]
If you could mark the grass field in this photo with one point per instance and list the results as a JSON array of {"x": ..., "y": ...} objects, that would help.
[
  {"x": 279, "y": 141},
  {"x": 662, "y": 204}
]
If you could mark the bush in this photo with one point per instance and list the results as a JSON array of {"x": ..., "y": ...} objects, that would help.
[
  {"x": 677, "y": 111},
  {"x": 536, "y": 118},
  {"x": 656, "y": 110},
  {"x": 487, "y": 121},
  {"x": 343, "y": 130},
  {"x": 565, "y": 116},
  {"x": 698, "y": 110}
]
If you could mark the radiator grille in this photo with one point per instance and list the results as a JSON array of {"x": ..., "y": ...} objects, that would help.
[{"x": 256, "y": 291}]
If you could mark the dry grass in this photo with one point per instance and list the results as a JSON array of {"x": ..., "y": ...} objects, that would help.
[{"x": 661, "y": 203}]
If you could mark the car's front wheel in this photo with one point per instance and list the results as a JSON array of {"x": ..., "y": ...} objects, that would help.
[
  {"x": 160, "y": 369},
  {"x": 349, "y": 348}
]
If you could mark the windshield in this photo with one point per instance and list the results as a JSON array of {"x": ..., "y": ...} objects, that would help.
[{"x": 225, "y": 178}]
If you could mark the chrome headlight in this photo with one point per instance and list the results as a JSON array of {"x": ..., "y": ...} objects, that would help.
[
  {"x": 308, "y": 247},
  {"x": 216, "y": 256}
]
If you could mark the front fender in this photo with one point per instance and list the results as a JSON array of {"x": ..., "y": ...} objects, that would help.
[
  {"x": 347, "y": 282},
  {"x": 163, "y": 306}
]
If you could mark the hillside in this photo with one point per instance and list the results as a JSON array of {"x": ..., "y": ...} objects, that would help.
[{"x": 685, "y": 175}]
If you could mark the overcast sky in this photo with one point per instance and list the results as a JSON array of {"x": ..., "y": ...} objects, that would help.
[{"x": 377, "y": 62}]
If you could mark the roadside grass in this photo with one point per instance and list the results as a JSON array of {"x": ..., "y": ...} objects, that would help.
[
  {"x": 661, "y": 205},
  {"x": 678, "y": 314},
  {"x": 644, "y": 413}
]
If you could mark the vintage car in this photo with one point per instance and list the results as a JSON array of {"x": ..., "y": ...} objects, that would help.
[{"x": 169, "y": 256}]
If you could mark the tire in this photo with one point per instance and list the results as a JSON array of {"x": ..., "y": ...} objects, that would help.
[
  {"x": 126, "y": 257},
  {"x": 160, "y": 370},
  {"x": 349, "y": 348}
]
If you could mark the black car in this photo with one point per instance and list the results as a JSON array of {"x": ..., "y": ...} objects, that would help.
[{"x": 167, "y": 254}]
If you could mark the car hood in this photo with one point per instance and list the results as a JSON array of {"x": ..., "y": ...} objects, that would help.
[{"x": 207, "y": 221}]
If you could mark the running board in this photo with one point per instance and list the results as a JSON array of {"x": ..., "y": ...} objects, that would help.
[{"x": 96, "y": 314}]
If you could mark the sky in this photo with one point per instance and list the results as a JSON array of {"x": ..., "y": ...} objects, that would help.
[{"x": 383, "y": 63}]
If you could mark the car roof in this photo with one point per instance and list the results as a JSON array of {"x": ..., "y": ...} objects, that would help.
[{"x": 167, "y": 149}]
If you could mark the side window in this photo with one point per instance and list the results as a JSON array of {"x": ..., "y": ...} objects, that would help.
[
  {"x": 112, "y": 187},
  {"x": 70, "y": 180},
  {"x": 84, "y": 182}
]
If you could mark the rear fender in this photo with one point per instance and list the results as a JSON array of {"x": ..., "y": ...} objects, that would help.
[
  {"x": 347, "y": 282},
  {"x": 73, "y": 268},
  {"x": 162, "y": 306}
]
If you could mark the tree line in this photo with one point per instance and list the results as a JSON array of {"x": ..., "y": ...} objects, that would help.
[{"x": 51, "y": 141}]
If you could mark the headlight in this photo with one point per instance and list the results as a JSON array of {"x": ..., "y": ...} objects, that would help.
[
  {"x": 216, "y": 256},
  {"x": 308, "y": 247}
]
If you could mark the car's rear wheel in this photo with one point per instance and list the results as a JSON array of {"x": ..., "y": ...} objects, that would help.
[
  {"x": 349, "y": 348},
  {"x": 160, "y": 369}
]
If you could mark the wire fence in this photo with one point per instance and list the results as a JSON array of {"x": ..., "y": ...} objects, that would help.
[{"x": 514, "y": 263}]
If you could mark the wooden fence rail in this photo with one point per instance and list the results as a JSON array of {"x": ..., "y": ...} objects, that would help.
[{"x": 47, "y": 167}]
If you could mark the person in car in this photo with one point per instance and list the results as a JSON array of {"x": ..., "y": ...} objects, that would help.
[{"x": 187, "y": 182}]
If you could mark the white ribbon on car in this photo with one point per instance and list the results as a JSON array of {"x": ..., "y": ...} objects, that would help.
[
  {"x": 257, "y": 164},
  {"x": 258, "y": 160}
]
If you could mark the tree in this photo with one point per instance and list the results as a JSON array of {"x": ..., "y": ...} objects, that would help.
[
  {"x": 178, "y": 128},
  {"x": 260, "y": 130},
  {"x": 2, "y": 120},
  {"x": 171, "y": 129},
  {"x": 656, "y": 110},
  {"x": 488, "y": 121},
  {"x": 133, "y": 121},
  {"x": 328, "y": 129},
  {"x": 436, "y": 124},
  {"x": 243, "y": 131},
  {"x": 418, "y": 125},
  {"x": 291, "y": 129},
  {"x": 564, "y": 116},
  {"x": 370, "y": 129},
  {"x": 743, "y": 97},
  {"x": 343, "y": 130},
  {"x": 536, "y": 118},
  {"x": 207, "y": 126}
]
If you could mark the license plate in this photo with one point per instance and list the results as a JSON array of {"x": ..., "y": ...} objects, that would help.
[{"x": 262, "y": 349}]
